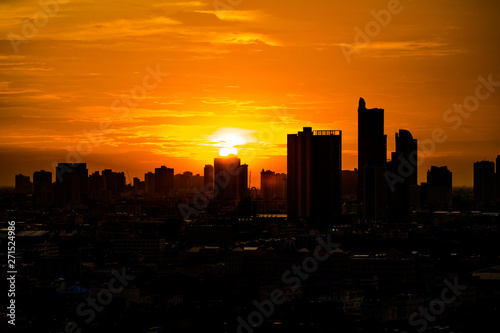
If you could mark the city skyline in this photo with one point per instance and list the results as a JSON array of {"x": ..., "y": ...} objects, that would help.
[
  {"x": 245, "y": 76},
  {"x": 249, "y": 166},
  {"x": 228, "y": 152}
]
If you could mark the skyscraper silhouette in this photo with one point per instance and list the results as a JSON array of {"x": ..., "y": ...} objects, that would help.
[
  {"x": 267, "y": 184},
  {"x": 208, "y": 178},
  {"x": 23, "y": 184},
  {"x": 243, "y": 182},
  {"x": 164, "y": 181},
  {"x": 403, "y": 194},
  {"x": 407, "y": 146},
  {"x": 71, "y": 183},
  {"x": 372, "y": 159},
  {"x": 43, "y": 190},
  {"x": 150, "y": 183},
  {"x": 106, "y": 186},
  {"x": 484, "y": 181},
  {"x": 438, "y": 187},
  {"x": 272, "y": 185},
  {"x": 231, "y": 178},
  {"x": 314, "y": 160}
]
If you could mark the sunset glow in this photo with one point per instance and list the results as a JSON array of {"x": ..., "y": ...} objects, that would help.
[
  {"x": 178, "y": 80},
  {"x": 228, "y": 151}
]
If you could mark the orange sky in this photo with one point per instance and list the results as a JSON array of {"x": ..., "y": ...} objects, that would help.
[{"x": 255, "y": 71}]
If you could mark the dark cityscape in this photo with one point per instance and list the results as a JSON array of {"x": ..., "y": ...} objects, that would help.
[
  {"x": 207, "y": 251},
  {"x": 236, "y": 166}
]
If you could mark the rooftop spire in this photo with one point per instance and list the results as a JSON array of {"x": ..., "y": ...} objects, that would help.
[{"x": 362, "y": 104}]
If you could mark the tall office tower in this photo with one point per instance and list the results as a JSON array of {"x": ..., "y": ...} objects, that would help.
[
  {"x": 187, "y": 180},
  {"x": 106, "y": 186},
  {"x": 23, "y": 184},
  {"x": 439, "y": 186},
  {"x": 267, "y": 184},
  {"x": 227, "y": 176},
  {"x": 43, "y": 190},
  {"x": 183, "y": 182},
  {"x": 314, "y": 160},
  {"x": 272, "y": 185},
  {"x": 403, "y": 193},
  {"x": 281, "y": 182},
  {"x": 139, "y": 186},
  {"x": 243, "y": 182},
  {"x": 372, "y": 160},
  {"x": 150, "y": 183},
  {"x": 484, "y": 181},
  {"x": 164, "y": 181},
  {"x": 197, "y": 182},
  {"x": 96, "y": 186},
  {"x": 187, "y": 183},
  {"x": 114, "y": 182},
  {"x": 208, "y": 179},
  {"x": 407, "y": 146},
  {"x": 71, "y": 183}
]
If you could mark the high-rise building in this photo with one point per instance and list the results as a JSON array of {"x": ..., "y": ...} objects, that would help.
[
  {"x": 439, "y": 176},
  {"x": 484, "y": 181},
  {"x": 43, "y": 190},
  {"x": 372, "y": 160},
  {"x": 106, "y": 186},
  {"x": 114, "y": 182},
  {"x": 403, "y": 194},
  {"x": 208, "y": 173},
  {"x": 150, "y": 183},
  {"x": 197, "y": 182},
  {"x": 230, "y": 178},
  {"x": 438, "y": 187},
  {"x": 187, "y": 180},
  {"x": 139, "y": 186},
  {"x": 96, "y": 186},
  {"x": 187, "y": 183},
  {"x": 272, "y": 185},
  {"x": 23, "y": 184},
  {"x": 267, "y": 184},
  {"x": 243, "y": 182},
  {"x": 407, "y": 146},
  {"x": 281, "y": 183},
  {"x": 314, "y": 160},
  {"x": 164, "y": 181},
  {"x": 71, "y": 183}
]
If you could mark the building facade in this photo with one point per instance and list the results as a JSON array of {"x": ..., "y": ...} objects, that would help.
[{"x": 314, "y": 160}]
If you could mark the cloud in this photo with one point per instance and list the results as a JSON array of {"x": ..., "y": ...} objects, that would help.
[
  {"x": 386, "y": 49},
  {"x": 237, "y": 15},
  {"x": 202, "y": 18}
]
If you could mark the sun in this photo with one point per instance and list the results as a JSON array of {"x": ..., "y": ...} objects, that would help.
[
  {"x": 226, "y": 151},
  {"x": 228, "y": 139}
]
